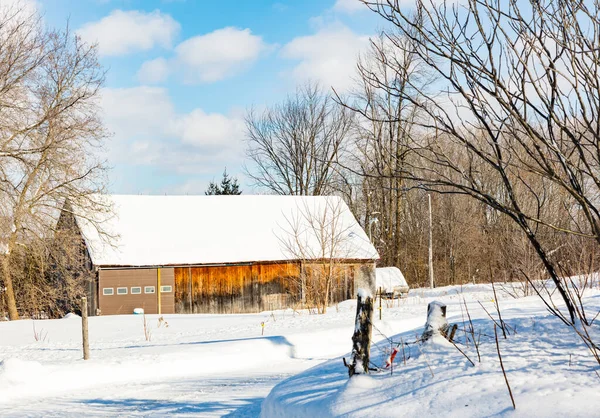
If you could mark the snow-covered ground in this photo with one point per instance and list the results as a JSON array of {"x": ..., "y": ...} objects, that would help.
[
  {"x": 550, "y": 371},
  {"x": 221, "y": 365},
  {"x": 201, "y": 365}
]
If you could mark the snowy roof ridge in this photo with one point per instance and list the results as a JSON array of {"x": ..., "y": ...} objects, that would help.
[{"x": 149, "y": 230}]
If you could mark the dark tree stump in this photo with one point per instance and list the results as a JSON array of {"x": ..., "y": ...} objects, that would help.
[
  {"x": 361, "y": 339},
  {"x": 452, "y": 333}
]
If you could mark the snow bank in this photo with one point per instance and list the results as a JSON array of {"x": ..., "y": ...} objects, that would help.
[
  {"x": 391, "y": 280},
  {"x": 438, "y": 380},
  {"x": 20, "y": 378},
  {"x": 15, "y": 371}
]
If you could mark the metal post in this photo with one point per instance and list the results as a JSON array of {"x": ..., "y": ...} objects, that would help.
[
  {"x": 158, "y": 289},
  {"x": 380, "y": 297}
]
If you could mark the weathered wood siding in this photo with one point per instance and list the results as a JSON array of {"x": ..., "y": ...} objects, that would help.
[
  {"x": 254, "y": 288},
  {"x": 125, "y": 304},
  {"x": 235, "y": 289},
  {"x": 346, "y": 278}
]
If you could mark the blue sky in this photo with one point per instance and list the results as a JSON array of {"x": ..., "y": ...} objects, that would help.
[{"x": 182, "y": 73}]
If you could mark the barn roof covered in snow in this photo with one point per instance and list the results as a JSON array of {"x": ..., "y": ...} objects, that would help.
[{"x": 190, "y": 230}]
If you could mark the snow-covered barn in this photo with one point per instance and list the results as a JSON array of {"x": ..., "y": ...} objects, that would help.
[{"x": 220, "y": 254}]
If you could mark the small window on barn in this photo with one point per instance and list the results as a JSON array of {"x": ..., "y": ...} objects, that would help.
[
  {"x": 166, "y": 289},
  {"x": 121, "y": 290},
  {"x": 108, "y": 291},
  {"x": 149, "y": 289},
  {"x": 136, "y": 290}
]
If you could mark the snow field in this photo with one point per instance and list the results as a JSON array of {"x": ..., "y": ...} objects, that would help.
[
  {"x": 197, "y": 349},
  {"x": 215, "y": 365}
]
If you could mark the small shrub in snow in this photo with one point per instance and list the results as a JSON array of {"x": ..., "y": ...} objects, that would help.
[
  {"x": 39, "y": 335},
  {"x": 162, "y": 322},
  {"x": 147, "y": 331}
]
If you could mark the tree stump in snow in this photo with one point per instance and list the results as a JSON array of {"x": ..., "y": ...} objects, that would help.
[
  {"x": 452, "y": 332},
  {"x": 361, "y": 339},
  {"x": 436, "y": 324}
]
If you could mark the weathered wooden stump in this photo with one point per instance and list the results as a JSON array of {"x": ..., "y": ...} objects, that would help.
[
  {"x": 361, "y": 339},
  {"x": 436, "y": 324},
  {"x": 452, "y": 332}
]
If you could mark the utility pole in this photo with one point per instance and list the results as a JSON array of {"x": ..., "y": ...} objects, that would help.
[
  {"x": 372, "y": 220},
  {"x": 431, "y": 283}
]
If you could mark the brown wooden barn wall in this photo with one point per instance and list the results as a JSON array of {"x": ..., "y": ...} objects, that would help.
[
  {"x": 251, "y": 288},
  {"x": 235, "y": 289},
  {"x": 342, "y": 283},
  {"x": 224, "y": 289},
  {"x": 125, "y": 304}
]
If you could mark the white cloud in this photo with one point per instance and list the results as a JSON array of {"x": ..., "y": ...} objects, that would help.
[
  {"x": 349, "y": 6},
  {"x": 153, "y": 71},
  {"x": 219, "y": 54},
  {"x": 207, "y": 58},
  {"x": 329, "y": 56},
  {"x": 148, "y": 131},
  {"x": 208, "y": 129},
  {"x": 138, "y": 111},
  {"x": 123, "y": 32}
]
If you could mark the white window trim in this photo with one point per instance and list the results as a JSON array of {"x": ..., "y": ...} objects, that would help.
[
  {"x": 149, "y": 287},
  {"x": 121, "y": 293},
  {"x": 166, "y": 291},
  {"x": 136, "y": 293},
  {"x": 112, "y": 290}
]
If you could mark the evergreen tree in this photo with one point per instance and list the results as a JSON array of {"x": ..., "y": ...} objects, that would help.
[
  {"x": 213, "y": 189},
  {"x": 229, "y": 186}
]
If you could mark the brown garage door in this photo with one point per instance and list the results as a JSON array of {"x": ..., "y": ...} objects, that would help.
[{"x": 121, "y": 291}]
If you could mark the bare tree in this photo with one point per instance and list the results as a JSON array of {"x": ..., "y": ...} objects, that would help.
[
  {"x": 51, "y": 275},
  {"x": 383, "y": 128},
  {"x": 293, "y": 147},
  {"x": 518, "y": 99},
  {"x": 317, "y": 234},
  {"x": 50, "y": 130}
]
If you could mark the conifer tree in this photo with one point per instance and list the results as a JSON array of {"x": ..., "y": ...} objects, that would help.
[{"x": 229, "y": 186}]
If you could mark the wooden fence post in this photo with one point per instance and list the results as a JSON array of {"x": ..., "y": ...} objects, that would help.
[
  {"x": 361, "y": 340},
  {"x": 84, "y": 329}
]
